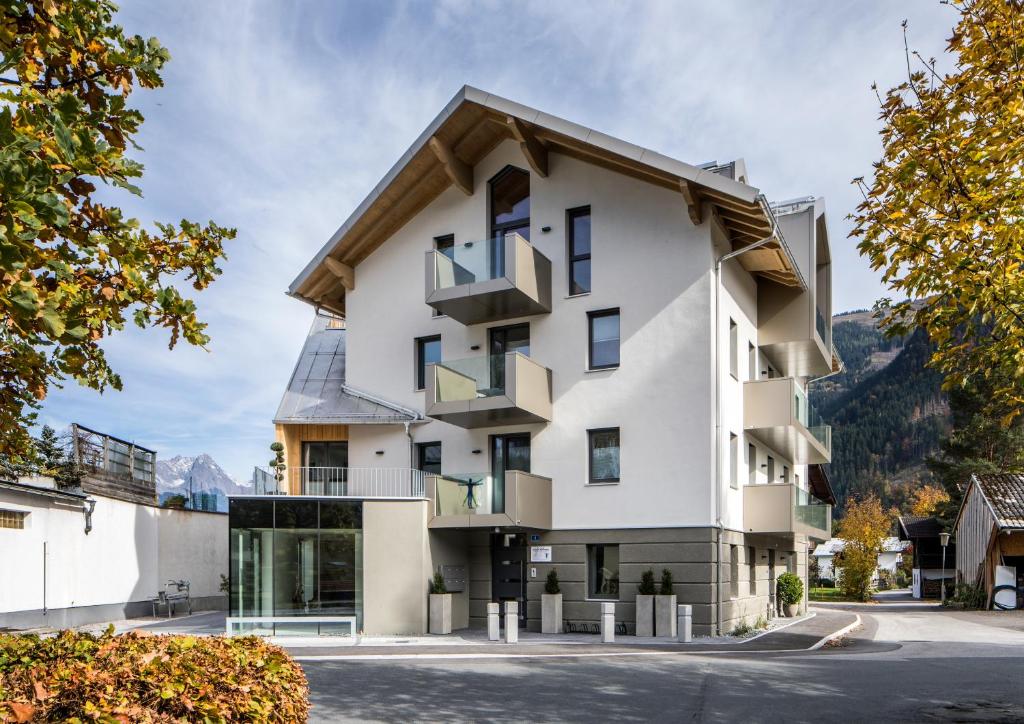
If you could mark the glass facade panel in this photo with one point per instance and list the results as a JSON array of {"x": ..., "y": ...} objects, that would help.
[{"x": 295, "y": 558}]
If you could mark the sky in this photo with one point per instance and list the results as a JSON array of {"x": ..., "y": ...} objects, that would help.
[{"x": 277, "y": 118}]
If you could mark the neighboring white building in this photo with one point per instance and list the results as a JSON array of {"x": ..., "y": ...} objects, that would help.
[
  {"x": 73, "y": 556},
  {"x": 889, "y": 558},
  {"x": 597, "y": 354}
]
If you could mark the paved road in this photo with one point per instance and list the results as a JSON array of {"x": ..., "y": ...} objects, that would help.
[{"x": 907, "y": 663}]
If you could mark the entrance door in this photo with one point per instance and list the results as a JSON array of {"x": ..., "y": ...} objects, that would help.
[
  {"x": 508, "y": 452},
  {"x": 771, "y": 581},
  {"x": 324, "y": 468},
  {"x": 508, "y": 572}
]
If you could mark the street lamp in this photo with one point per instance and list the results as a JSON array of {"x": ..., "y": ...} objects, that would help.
[{"x": 943, "y": 541}]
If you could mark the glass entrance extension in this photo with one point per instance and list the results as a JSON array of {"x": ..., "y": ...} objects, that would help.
[{"x": 300, "y": 559}]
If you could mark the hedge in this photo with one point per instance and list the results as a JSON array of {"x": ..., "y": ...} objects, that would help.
[{"x": 141, "y": 677}]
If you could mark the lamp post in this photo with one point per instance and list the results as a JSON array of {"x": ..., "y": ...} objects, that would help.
[{"x": 943, "y": 541}]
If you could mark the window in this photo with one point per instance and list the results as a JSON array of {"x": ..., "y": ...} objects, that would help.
[
  {"x": 771, "y": 469},
  {"x": 12, "y": 519},
  {"x": 751, "y": 361},
  {"x": 752, "y": 569},
  {"x": 428, "y": 352},
  {"x": 785, "y": 473},
  {"x": 510, "y": 203},
  {"x": 751, "y": 465},
  {"x": 428, "y": 457},
  {"x": 734, "y": 461},
  {"x": 604, "y": 455},
  {"x": 604, "y": 339},
  {"x": 579, "y": 250},
  {"x": 734, "y": 345},
  {"x": 603, "y": 572},
  {"x": 446, "y": 245},
  {"x": 734, "y": 571}
]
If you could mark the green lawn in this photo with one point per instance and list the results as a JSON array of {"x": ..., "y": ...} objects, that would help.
[{"x": 826, "y": 594}]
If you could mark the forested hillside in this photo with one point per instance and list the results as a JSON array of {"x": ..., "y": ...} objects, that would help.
[{"x": 886, "y": 409}]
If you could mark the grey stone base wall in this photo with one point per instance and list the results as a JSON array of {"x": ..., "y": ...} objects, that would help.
[{"x": 84, "y": 615}]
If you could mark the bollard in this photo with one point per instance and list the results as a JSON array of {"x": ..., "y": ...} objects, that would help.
[
  {"x": 608, "y": 623},
  {"x": 684, "y": 626},
  {"x": 493, "y": 621},
  {"x": 511, "y": 622}
]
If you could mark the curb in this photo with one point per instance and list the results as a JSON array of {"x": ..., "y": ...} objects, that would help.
[{"x": 836, "y": 634}]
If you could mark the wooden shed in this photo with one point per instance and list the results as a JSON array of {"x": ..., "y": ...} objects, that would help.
[{"x": 989, "y": 529}]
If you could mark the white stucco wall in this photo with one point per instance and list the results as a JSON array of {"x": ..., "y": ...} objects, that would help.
[
  {"x": 648, "y": 260},
  {"x": 130, "y": 552}
]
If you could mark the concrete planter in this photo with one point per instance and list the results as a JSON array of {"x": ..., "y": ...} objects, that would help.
[
  {"x": 440, "y": 613},
  {"x": 791, "y": 610},
  {"x": 551, "y": 613},
  {"x": 665, "y": 616},
  {"x": 644, "y": 615}
]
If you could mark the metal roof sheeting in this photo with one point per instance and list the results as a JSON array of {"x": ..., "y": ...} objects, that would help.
[{"x": 317, "y": 393}]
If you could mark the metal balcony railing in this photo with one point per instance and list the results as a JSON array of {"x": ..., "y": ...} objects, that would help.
[{"x": 342, "y": 482}]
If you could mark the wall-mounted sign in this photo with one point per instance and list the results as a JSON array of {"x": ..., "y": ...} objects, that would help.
[{"x": 540, "y": 554}]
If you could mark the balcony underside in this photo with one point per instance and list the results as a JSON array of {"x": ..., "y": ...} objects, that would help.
[
  {"x": 488, "y": 301},
  {"x": 484, "y": 412},
  {"x": 794, "y": 442},
  {"x": 800, "y": 358}
]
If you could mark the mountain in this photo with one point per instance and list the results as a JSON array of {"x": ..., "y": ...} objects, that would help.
[
  {"x": 887, "y": 410},
  {"x": 200, "y": 479}
]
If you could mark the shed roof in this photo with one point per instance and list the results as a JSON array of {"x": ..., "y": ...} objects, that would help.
[
  {"x": 1004, "y": 493},
  {"x": 470, "y": 126},
  {"x": 317, "y": 393}
]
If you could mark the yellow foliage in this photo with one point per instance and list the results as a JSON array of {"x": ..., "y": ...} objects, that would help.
[{"x": 926, "y": 499}]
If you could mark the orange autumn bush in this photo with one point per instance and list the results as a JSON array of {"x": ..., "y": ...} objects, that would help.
[{"x": 140, "y": 677}]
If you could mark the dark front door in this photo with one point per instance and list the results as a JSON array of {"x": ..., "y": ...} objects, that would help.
[
  {"x": 508, "y": 452},
  {"x": 508, "y": 572}
]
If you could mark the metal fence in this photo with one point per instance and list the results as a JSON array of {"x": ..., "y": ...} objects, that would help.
[{"x": 344, "y": 482}]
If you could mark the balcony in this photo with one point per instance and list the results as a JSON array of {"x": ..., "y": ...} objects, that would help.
[
  {"x": 508, "y": 389},
  {"x": 478, "y": 500},
  {"x": 487, "y": 281},
  {"x": 776, "y": 411},
  {"x": 793, "y": 332},
  {"x": 342, "y": 482},
  {"x": 785, "y": 509}
]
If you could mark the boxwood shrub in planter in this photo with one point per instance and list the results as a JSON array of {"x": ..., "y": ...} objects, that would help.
[
  {"x": 645, "y": 604},
  {"x": 665, "y": 608},
  {"x": 790, "y": 590},
  {"x": 551, "y": 605},
  {"x": 140, "y": 677},
  {"x": 440, "y": 609}
]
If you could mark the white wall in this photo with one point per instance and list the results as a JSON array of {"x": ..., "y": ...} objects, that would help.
[
  {"x": 130, "y": 552},
  {"x": 648, "y": 260}
]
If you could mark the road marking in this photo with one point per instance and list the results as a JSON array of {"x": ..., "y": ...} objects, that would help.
[{"x": 836, "y": 634}]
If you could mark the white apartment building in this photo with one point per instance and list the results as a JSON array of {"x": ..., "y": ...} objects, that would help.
[{"x": 541, "y": 347}]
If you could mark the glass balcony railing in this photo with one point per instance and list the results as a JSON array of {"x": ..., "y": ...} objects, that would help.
[
  {"x": 809, "y": 417},
  {"x": 471, "y": 378},
  {"x": 813, "y": 516},
  {"x": 469, "y": 494},
  {"x": 470, "y": 262}
]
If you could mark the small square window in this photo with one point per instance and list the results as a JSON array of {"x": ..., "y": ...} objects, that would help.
[
  {"x": 604, "y": 455},
  {"x": 428, "y": 457},
  {"x": 604, "y": 339},
  {"x": 428, "y": 352},
  {"x": 603, "y": 572}
]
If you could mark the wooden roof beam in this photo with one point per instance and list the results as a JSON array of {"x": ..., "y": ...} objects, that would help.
[
  {"x": 343, "y": 272},
  {"x": 693, "y": 201},
  {"x": 458, "y": 171},
  {"x": 533, "y": 149}
]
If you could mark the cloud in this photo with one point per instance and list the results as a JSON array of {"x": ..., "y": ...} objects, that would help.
[{"x": 278, "y": 117}]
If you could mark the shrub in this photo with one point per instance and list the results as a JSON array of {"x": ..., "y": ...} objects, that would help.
[
  {"x": 790, "y": 588},
  {"x": 968, "y": 595},
  {"x": 437, "y": 584},
  {"x": 742, "y": 628},
  {"x": 141, "y": 677},
  {"x": 646, "y": 587},
  {"x": 666, "y": 583},
  {"x": 551, "y": 585}
]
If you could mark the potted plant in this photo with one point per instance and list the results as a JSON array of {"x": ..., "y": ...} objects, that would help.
[
  {"x": 551, "y": 605},
  {"x": 665, "y": 607},
  {"x": 645, "y": 604},
  {"x": 790, "y": 590},
  {"x": 440, "y": 606}
]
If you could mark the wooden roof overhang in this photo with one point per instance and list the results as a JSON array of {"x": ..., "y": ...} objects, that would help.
[{"x": 468, "y": 129}]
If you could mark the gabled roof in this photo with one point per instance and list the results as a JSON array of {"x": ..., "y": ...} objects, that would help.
[
  {"x": 835, "y": 545},
  {"x": 317, "y": 393},
  {"x": 1004, "y": 494},
  {"x": 472, "y": 124},
  {"x": 915, "y": 526}
]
